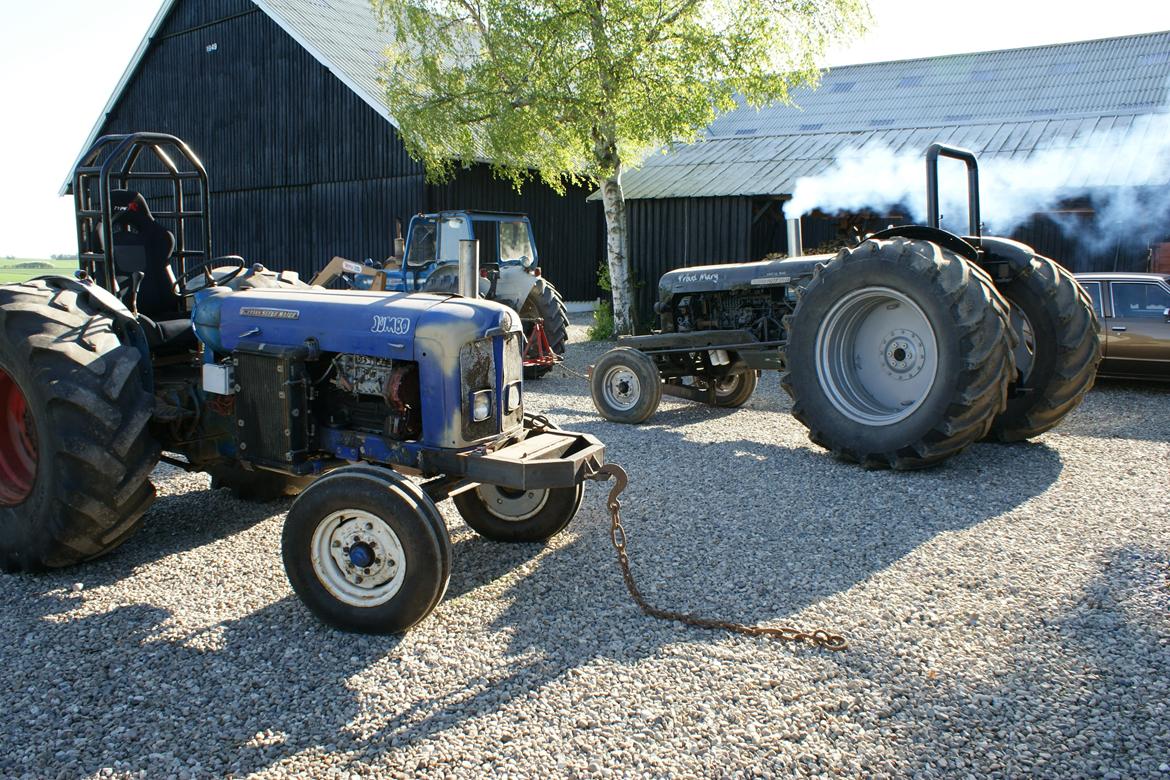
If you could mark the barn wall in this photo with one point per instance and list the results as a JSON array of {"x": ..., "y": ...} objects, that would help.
[
  {"x": 301, "y": 169},
  {"x": 678, "y": 232}
]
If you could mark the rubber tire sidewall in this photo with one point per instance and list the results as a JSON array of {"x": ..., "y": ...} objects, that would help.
[
  {"x": 426, "y": 548},
  {"x": 559, "y": 510},
  {"x": 650, "y": 383},
  {"x": 812, "y": 310},
  {"x": 743, "y": 391}
]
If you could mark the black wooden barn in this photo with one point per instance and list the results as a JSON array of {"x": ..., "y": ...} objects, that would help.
[{"x": 280, "y": 100}]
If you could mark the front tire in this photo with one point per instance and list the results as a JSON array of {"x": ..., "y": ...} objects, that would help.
[
  {"x": 626, "y": 386},
  {"x": 1058, "y": 346},
  {"x": 734, "y": 390},
  {"x": 899, "y": 354},
  {"x": 506, "y": 515},
  {"x": 367, "y": 551},
  {"x": 544, "y": 301},
  {"x": 76, "y": 452}
]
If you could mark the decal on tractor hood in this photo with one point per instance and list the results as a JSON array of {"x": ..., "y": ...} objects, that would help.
[
  {"x": 395, "y": 326},
  {"x": 272, "y": 314},
  {"x": 705, "y": 277}
]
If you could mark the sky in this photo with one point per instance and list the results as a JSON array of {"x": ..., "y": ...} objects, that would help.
[{"x": 61, "y": 59}]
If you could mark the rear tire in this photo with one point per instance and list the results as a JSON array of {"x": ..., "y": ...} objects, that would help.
[
  {"x": 1058, "y": 347},
  {"x": 505, "y": 515},
  {"x": 83, "y": 428},
  {"x": 626, "y": 387},
  {"x": 899, "y": 354},
  {"x": 544, "y": 301},
  {"x": 366, "y": 551}
]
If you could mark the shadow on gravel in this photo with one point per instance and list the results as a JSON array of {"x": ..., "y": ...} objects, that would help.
[
  {"x": 807, "y": 529},
  {"x": 175, "y": 523},
  {"x": 235, "y": 699},
  {"x": 1087, "y": 696}
]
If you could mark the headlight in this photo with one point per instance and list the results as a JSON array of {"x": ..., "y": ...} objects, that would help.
[
  {"x": 481, "y": 405},
  {"x": 512, "y": 397}
]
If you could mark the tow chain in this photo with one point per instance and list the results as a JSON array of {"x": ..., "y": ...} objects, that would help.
[{"x": 617, "y": 534}]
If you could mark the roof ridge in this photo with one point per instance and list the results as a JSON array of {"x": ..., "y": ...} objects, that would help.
[{"x": 979, "y": 52}]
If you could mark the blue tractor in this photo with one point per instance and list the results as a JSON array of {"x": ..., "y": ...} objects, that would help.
[
  {"x": 370, "y": 406},
  {"x": 510, "y": 270}
]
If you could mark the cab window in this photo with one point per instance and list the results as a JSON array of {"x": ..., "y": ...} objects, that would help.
[
  {"x": 514, "y": 243},
  {"x": 1094, "y": 291},
  {"x": 422, "y": 244},
  {"x": 1139, "y": 300},
  {"x": 451, "y": 231}
]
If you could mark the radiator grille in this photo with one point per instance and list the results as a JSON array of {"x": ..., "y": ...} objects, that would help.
[{"x": 271, "y": 410}]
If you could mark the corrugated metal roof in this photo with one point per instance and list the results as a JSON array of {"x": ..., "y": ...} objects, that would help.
[{"x": 1011, "y": 104}]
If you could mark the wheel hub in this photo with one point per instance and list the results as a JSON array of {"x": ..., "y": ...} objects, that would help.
[
  {"x": 358, "y": 558},
  {"x": 18, "y": 443},
  {"x": 622, "y": 387},
  {"x": 904, "y": 354}
]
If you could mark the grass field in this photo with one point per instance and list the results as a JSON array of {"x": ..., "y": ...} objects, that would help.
[{"x": 9, "y": 274}]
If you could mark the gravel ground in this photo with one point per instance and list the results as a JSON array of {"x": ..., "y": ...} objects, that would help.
[{"x": 1008, "y": 613}]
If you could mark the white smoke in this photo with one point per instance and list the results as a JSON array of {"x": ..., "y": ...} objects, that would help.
[{"x": 1124, "y": 172}]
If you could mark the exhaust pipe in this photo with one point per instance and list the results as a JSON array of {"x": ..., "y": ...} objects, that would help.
[
  {"x": 469, "y": 268},
  {"x": 795, "y": 238}
]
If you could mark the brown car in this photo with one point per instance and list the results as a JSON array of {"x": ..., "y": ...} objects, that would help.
[{"x": 1134, "y": 310}]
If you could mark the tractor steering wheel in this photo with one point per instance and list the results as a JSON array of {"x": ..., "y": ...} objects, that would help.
[{"x": 203, "y": 275}]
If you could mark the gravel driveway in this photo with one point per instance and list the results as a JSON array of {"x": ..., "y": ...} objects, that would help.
[{"x": 1008, "y": 614}]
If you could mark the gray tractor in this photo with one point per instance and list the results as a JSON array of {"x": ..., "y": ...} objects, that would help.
[{"x": 897, "y": 352}]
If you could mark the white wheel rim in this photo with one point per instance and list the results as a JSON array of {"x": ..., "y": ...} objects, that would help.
[
  {"x": 513, "y": 506},
  {"x": 876, "y": 356},
  {"x": 621, "y": 388},
  {"x": 342, "y": 542}
]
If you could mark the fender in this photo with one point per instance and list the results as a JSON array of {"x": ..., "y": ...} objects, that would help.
[
  {"x": 943, "y": 238},
  {"x": 109, "y": 304}
]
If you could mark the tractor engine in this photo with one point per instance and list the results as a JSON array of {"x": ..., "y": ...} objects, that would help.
[
  {"x": 374, "y": 395},
  {"x": 299, "y": 377},
  {"x": 762, "y": 312}
]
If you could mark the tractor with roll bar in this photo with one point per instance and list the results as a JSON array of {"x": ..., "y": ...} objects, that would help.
[
  {"x": 898, "y": 352},
  {"x": 158, "y": 349}
]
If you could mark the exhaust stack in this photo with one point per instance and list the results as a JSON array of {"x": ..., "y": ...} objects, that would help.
[
  {"x": 469, "y": 268},
  {"x": 795, "y": 238}
]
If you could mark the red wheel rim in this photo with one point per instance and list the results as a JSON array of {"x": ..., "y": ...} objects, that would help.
[{"x": 18, "y": 443}]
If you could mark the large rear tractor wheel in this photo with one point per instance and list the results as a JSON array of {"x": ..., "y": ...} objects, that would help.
[
  {"x": 1057, "y": 348},
  {"x": 544, "y": 301},
  {"x": 75, "y": 449},
  {"x": 626, "y": 386},
  {"x": 366, "y": 550},
  {"x": 899, "y": 354}
]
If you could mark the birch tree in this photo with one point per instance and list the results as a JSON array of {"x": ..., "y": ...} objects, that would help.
[{"x": 578, "y": 91}]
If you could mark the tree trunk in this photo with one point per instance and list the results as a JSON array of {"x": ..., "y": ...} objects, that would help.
[{"x": 616, "y": 240}]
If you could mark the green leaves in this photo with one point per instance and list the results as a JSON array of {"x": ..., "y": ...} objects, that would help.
[{"x": 577, "y": 89}]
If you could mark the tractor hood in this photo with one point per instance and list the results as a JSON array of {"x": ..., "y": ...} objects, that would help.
[
  {"x": 737, "y": 276},
  {"x": 378, "y": 324}
]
